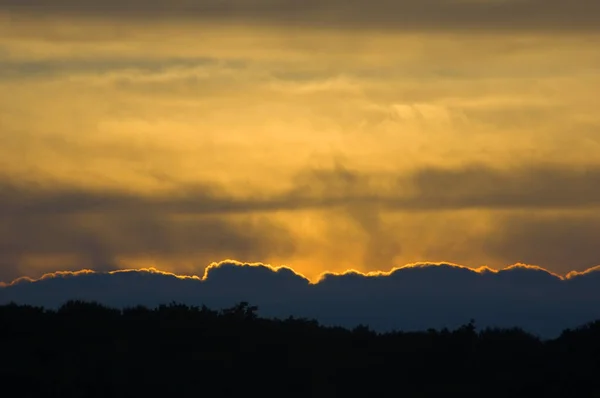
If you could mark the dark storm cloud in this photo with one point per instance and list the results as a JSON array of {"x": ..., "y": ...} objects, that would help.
[
  {"x": 467, "y": 187},
  {"x": 478, "y": 186},
  {"x": 205, "y": 222},
  {"x": 534, "y": 187},
  {"x": 559, "y": 242},
  {"x": 404, "y": 15},
  {"x": 413, "y": 298},
  {"x": 11, "y": 70},
  {"x": 97, "y": 228}
]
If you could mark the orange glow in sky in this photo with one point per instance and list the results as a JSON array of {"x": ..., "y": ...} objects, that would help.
[{"x": 322, "y": 140}]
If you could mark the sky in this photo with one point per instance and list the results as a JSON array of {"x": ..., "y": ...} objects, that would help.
[{"x": 322, "y": 135}]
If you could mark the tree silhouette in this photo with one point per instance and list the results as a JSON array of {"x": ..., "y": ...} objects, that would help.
[{"x": 85, "y": 349}]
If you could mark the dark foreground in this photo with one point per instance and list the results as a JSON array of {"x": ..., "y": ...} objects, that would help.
[{"x": 87, "y": 350}]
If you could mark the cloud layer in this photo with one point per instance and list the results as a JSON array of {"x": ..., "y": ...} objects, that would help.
[
  {"x": 410, "y": 15},
  {"x": 552, "y": 187},
  {"x": 413, "y": 297},
  {"x": 168, "y": 134},
  {"x": 48, "y": 226}
]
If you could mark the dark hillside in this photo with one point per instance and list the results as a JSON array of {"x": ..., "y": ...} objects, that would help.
[{"x": 89, "y": 350}]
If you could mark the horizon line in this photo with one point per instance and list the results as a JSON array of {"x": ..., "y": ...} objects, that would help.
[{"x": 378, "y": 273}]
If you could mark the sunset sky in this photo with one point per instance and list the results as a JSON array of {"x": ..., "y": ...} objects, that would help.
[{"x": 325, "y": 135}]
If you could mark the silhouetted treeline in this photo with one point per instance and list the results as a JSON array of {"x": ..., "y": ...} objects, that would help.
[{"x": 89, "y": 350}]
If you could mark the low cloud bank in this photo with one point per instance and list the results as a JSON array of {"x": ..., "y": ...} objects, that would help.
[
  {"x": 406, "y": 15},
  {"x": 413, "y": 297}
]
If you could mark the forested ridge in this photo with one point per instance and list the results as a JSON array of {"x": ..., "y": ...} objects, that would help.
[{"x": 85, "y": 349}]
